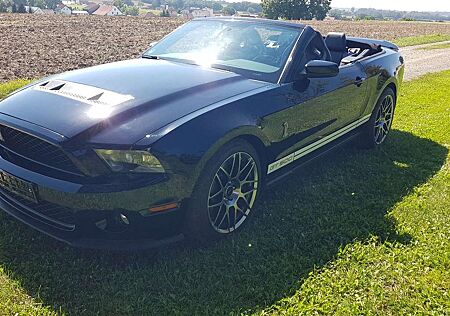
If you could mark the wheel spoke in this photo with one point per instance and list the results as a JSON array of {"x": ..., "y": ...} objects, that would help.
[
  {"x": 226, "y": 172},
  {"x": 229, "y": 219},
  {"x": 383, "y": 120},
  {"x": 218, "y": 213},
  {"x": 241, "y": 210},
  {"x": 248, "y": 192},
  {"x": 249, "y": 181},
  {"x": 215, "y": 205},
  {"x": 245, "y": 167},
  {"x": 216, "y": 194},
  {"x": 220, "y": 181},
  {"x": 232, "y": 192},
  {"x": 238, "y": 166},
  {"x": 249, "y": 172},
  {"x": 223, "y": 217}
]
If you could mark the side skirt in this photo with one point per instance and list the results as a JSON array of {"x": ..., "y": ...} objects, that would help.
[
  {"x": 283, "y": 162},
  {"x": 311, "y": 158}
]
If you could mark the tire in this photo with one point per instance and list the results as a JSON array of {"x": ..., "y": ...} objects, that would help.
[
  {"x": 225, "y": 193},
  {"x": 374, "y": 133}
]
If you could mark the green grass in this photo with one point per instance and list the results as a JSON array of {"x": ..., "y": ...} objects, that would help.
[
  {"x": 144, "y": 11},
  {"x": 10, "y": 86},
  {"x": 357, "y": 233},
  {"x": 76, "y": 7},
  {"x": 422, "y": 39},
  {"x": 437, "y": 46}
]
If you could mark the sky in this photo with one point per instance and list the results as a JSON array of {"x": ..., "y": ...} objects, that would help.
[{"x": 402, "y": 5}]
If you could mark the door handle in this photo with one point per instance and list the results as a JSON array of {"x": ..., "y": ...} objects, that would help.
[{"x": 359, "y": 81}]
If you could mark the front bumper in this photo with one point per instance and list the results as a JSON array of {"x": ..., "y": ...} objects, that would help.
[{"x": 70, "y": 213}]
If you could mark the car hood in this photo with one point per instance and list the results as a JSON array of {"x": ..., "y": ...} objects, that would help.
[{"x": 130, "y": 98}]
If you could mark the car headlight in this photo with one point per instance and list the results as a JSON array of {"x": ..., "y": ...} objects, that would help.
[{"x": 130, "y": 161}]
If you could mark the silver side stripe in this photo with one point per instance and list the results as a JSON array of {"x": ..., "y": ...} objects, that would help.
[{"x": 314, "y": 146}]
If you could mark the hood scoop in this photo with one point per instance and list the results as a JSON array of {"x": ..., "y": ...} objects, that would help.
[{"x": 84, "y": 93}]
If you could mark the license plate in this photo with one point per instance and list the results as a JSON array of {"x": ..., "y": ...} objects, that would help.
[{"x": 15, "y": 185}]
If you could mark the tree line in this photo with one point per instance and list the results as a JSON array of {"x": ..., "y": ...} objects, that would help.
[
  {"x": 375, "y": 14},
  {"x": 217, "y": 6},
  {"x": 19, "y": 5},
  {"x": 272, "y": 9}
]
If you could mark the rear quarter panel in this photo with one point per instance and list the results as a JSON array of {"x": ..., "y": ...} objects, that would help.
[{"x": 382, "y": 70}]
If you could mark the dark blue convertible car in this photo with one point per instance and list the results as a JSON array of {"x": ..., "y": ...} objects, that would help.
[{"x": 181, "y": 142}]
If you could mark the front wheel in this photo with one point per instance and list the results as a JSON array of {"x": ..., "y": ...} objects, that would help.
[
  {"x": 376, "y": 130},
  {"x": 226, "y": 192}
]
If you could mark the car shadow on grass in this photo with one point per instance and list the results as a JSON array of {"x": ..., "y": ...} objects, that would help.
[{"x": 300, "y": 226}]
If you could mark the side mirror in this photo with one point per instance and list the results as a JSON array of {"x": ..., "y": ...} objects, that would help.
[
  {"x": 321, "y": 69},
  {"x": 152, "y": 44}
]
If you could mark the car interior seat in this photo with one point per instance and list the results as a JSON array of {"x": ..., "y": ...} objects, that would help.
[{"x": 337, "y": 45}]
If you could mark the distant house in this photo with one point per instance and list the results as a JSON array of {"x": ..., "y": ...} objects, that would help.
[
  {"x": 78, "y": 12},
  {"x": 91, "y": 7},
  {"x": 246, "y": 14},
  {"x": 69, "y": 2},
  {"x": 63, "y": 9},
  {"x": 202, "y": 13},
  {"x": 48, "y": 11},
  {"x": 107, "y": 10},
  {"x": 186, "y": 14},
  {"x": 34, "y": 10}
]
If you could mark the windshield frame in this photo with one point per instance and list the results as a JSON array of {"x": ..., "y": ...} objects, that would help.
[{"x": 274, "y": 77}]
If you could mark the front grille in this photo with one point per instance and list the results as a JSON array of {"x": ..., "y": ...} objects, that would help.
[
  {"x": 57, "y": 215},
  {"x": 35, "y": 149}
]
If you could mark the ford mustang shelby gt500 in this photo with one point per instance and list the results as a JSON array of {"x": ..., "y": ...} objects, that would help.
[{"x": 181, "y": 141}]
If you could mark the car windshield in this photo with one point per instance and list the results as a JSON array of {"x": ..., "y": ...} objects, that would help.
[{"x": 252, "y": 49}]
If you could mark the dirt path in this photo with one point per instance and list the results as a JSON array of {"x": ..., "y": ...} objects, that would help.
[{"x": 420, "y": 62}]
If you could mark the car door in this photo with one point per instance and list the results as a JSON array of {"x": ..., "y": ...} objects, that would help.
[{"x": 316, "y": 108}]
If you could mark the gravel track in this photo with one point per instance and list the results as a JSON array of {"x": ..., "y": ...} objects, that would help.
[{"x": 420, "y": 62}]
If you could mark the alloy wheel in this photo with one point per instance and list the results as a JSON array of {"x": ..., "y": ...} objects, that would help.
[
  {"x": 383, "y": 119},
  {"x": 233, "y": 192}
]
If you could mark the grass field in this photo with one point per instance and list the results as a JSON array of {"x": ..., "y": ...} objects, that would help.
[
  {"x": 357, "y": 233},
  {"x": 437, "y": 46},
  {"x": 422, "y": 39},
  {"x": 10, "y": 86}
]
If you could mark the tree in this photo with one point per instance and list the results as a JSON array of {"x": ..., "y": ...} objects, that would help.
[
  {"x": 51, "y": 4},
  {"x": 21, "y": 9},
  {"x": 3, "y": 6},
  {"x": 14, "y": 8},
  {"x": 296, "y": 9},
  {"x": 131, "y": 10},
  {"x": 228, "y": 10},
  {"x": 217, "y": 7},
  {"x": 119, "y": 4}
]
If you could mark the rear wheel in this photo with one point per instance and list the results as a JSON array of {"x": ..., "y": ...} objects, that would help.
[
  {"x": 375, "y": 131},
  {"x": 226, "y": 192}
]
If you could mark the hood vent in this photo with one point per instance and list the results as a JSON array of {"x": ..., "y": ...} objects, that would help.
[{"x": 84, "y": 93}]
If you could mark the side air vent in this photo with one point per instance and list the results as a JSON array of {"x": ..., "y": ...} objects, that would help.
[{"x": 84, "y": 93}]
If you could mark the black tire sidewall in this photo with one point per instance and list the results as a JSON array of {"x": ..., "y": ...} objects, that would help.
[
  {"x": 198, "y": 226},
  {"x": 367, "y": 139}
]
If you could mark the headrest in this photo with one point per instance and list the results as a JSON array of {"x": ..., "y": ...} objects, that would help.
[{"x": 336, "y": 42}]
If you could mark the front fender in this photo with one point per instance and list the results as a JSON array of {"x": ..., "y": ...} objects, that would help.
[{"x": 188, "y": 148}]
